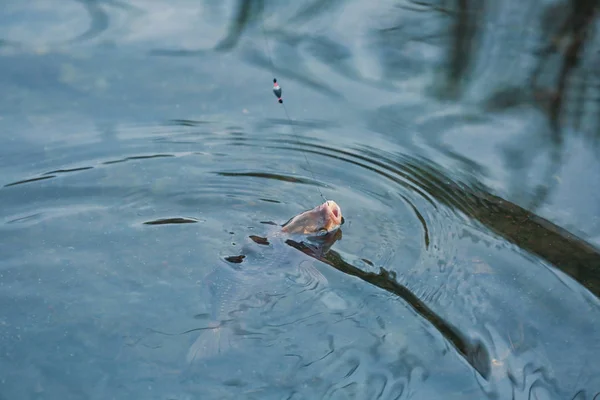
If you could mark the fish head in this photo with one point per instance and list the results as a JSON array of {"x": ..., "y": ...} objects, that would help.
[
  {"x": 333, "y": 216},
  {"x": 321, "y": 220}
]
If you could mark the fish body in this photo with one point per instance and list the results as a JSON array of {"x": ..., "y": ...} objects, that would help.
[{"x": 230, "y": 287}]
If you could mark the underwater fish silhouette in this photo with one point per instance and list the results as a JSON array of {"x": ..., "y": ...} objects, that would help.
[{"x": 318, "y": 228}]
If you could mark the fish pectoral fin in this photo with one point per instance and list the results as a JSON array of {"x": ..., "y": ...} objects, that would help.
[
  {"x": 210, "y": 343},
  {"x": 312, "y": 275}
]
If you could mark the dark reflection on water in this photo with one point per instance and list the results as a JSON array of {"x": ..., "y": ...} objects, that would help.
[
  {"x": 474, "y": 353},
  {"x": 41, "y": 178},
  {"x": 239, "y": 22},
  {"x": 165, "y": 221},
  {"x": 270, "y": 176},
  {"x": 146, "y": 170}
]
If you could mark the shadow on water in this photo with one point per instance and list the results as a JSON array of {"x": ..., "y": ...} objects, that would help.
[{"x": 474, "y": 353}]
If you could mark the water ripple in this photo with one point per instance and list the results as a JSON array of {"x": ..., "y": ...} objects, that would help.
[
  {"x": 167, "y": 221},
  {"x": 41, "y": 178},
  {"x": 440, "y": 286},
  {"x": 278, "y": 177},
  {"x": 404, "y": 218}
]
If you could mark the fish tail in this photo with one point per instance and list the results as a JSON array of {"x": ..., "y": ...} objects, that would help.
[{"x": 210, "y": 343}]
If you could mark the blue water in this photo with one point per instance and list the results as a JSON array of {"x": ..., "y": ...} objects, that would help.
[{"x": 460, "y": 143}]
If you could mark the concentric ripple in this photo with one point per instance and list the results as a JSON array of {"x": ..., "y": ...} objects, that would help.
[
  {"x": 192, "y": 262},
  {"x": 268, "y": 174}
]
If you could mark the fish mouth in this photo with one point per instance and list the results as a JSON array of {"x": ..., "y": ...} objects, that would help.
[{"x": 333, "y": 215}]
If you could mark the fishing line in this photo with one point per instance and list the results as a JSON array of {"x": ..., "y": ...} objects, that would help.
[{"x": 277, "y": 90}]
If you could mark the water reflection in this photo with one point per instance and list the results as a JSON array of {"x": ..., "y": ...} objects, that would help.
[
  {"x": 393, "y": 196},
  {"x": 474, "y": 353}
]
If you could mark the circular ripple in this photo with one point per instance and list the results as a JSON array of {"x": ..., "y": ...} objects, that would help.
[
  {"x": 195, "y": 191},
  {"x": 194, "y": 169}
]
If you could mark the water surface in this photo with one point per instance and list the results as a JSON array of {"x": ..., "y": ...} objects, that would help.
[{"x": 141, "y": 148}]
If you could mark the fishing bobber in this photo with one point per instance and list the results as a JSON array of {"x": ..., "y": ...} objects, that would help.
[{"x": 277, "y": 90}]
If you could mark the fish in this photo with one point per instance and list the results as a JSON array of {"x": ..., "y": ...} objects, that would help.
[
  {"x": 322, "y": 219},
  {"x": 318, "y": 228}
]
